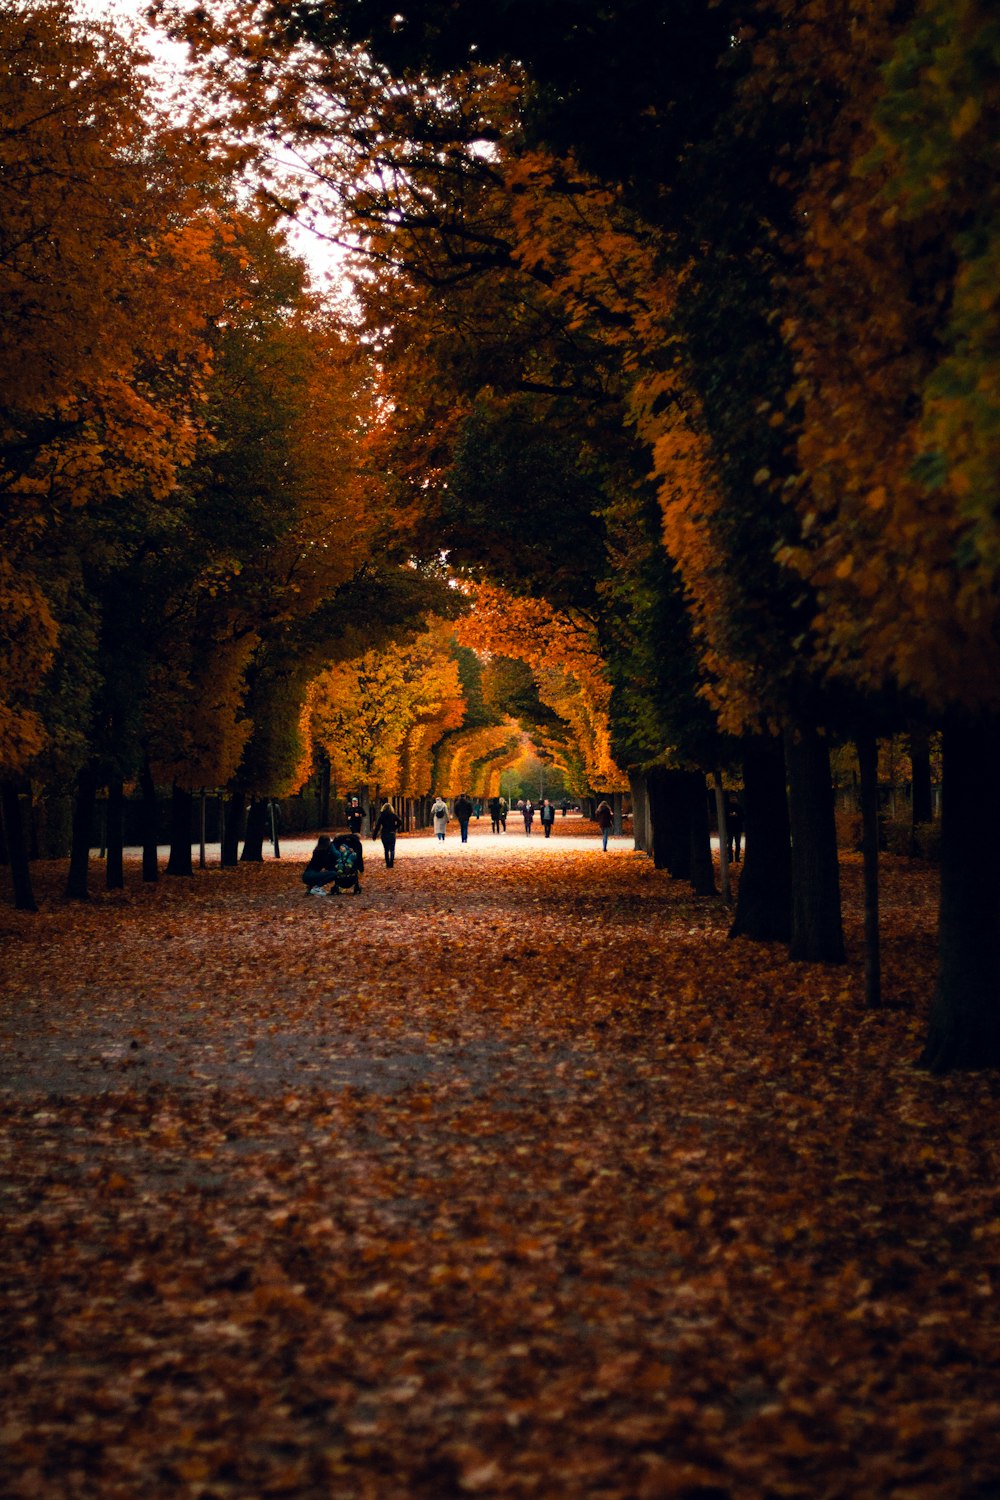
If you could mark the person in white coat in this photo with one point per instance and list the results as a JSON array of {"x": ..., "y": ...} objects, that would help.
[{"x": 439, "y": 812}]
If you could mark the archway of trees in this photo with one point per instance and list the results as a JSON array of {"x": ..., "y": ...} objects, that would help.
[{"x": 661, "y": 425}]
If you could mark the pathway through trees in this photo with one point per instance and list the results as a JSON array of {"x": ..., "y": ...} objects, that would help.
[{"x": 508, "y": 1177}]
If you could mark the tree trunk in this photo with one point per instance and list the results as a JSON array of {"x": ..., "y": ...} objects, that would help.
[
  {"x": 867, "y": 747},
  {"x": 114, "y": 874},
  {"x": 702, "y": 875},
  {"x": 17, "y": 849},
  {"x": 764, "y": 899},
  {"x": 83, "y": 824},
  {"x": 150, "y": 828},
  {"x": 232, "y": 830},
  {"x": 253, "y": 842},
  {"x": 640, "y": 814},
  {"x": 817, "y": 933},
  {"x": 921, "y": 799},
  {"x": 965, "y": 1016},
  {"x": 616, "y": 812},
  {"x": 181, "y": 808},
  {"x": 275, "y": 842},
  {"x": 670, "y": 814}
]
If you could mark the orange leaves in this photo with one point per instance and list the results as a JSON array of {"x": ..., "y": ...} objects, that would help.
[{"x": 439, "y": 1212}]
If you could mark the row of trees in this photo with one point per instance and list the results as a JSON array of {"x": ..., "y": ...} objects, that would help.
[
  {"x": 203, "y": 579},
  {"x": 192, "y": 527},
  {"x": 689, "y": 318},
  {"x": 674, "y": 334}
]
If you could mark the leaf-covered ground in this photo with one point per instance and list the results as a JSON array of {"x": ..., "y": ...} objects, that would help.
[{"x": 508, "y": 1177}]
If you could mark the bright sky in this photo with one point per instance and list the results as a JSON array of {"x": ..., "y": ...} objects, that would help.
[{"x": 169, "y": 67}]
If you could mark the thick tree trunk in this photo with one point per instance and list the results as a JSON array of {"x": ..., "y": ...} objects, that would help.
[
  {"x": 150, "y": 828},
  {"x": 764, "y": 899},
  {"x": 867, "y": 747},
  {"x": 232, "y": 830},
  {"x": 640, "y": 814},
  {"x": 84, "y": 804},
  {"x": 670, "y": 815},
  {"x": 253, "y": 842},
  {"x": 17, "y": 849},
  {"x": 181, "y": 807},
  {"x": 702, "y": 875},
  {"x": 965, "y": 1017},
  {"x": 616, "y": 812},
  {"x": 114, "y": 874},
  {"x": 921, "y": 800},
  {"x": 817, "y": 932}
]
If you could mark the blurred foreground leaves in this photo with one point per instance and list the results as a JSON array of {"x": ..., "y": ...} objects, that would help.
[{"x": 510, "y": 1177}]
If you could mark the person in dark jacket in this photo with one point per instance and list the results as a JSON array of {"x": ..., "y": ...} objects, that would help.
[
  {"x": 355, "y": 815},
  {"x": 604, "y": 817},
  {"x": 547, "y": 815},
  {"x": 494, "y": 807},
  {"x": 322, "y": 867},
  {"x": 387, "y": 825},
  {"x": 463, "y": 812}
]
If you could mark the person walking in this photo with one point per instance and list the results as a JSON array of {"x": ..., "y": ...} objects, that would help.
[
  {"x": 734, "y": 826},
  {"x": 355, "y": 815},
  {"x": 604, "y": 817},
  {"x": 547, "y": 816},
  {"x": 528, "y": 814},
  {"x": 494, "y": 807},
  {"x": 504, "y": 809},
  {"x": 439, "y": 812},
  {"x": 463, "y": 812},
  {"x": 387, "y": 825}
]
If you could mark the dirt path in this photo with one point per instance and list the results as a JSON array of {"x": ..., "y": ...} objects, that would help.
[{"x": 508, "y": 1177}]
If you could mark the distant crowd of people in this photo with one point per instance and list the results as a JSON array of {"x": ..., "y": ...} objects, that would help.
[{"x": 336, "y": 864}]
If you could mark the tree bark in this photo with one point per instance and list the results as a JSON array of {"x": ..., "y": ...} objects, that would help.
[
  {"x": 232, "y": 830},
  {"x": 253, "y": 842},
  {"x": 181, "y": 806},
  {"x": 764, "y": 899},
  {"x": 867, "y": 747},
  {"x": 965, "y": 1016},
  {"x": 817, "y": 932},
  {"x": 670, "y": 815},
  {"x": 150, "y": 828},
  {"x": 17, "y": 849},
  {"x": 640, "y": 814},
  {"x": 77, "y": 888},
  {"x": 114, "y": 873},
  {"x": 702, "y": 875}
]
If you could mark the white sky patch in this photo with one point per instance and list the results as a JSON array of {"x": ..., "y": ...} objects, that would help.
[{"x": 174, "y": 81}]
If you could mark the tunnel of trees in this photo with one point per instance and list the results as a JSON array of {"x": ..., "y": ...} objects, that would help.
[{"x": 653, "y": 419}]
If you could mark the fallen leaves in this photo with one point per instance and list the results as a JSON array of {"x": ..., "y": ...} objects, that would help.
[{"x": 367, "y": 1212}]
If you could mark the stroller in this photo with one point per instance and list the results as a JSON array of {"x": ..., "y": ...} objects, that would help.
[
  {"x": 337, "y": 865},
  {"x": 349, "y": 863}
]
